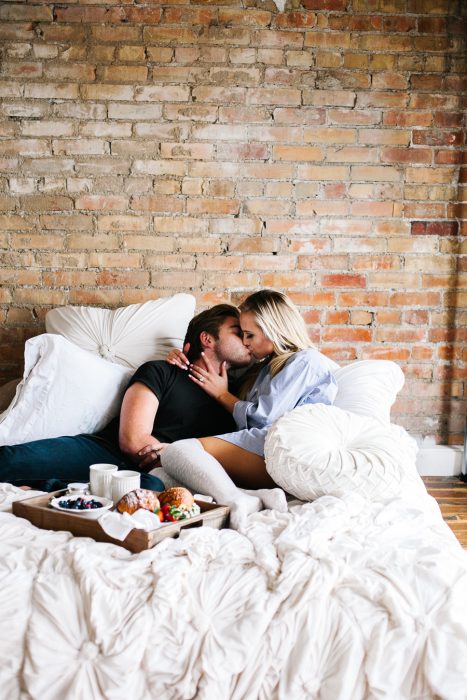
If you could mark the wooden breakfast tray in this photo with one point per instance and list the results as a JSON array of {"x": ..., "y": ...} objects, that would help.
[{"x": 38, "y": 511}]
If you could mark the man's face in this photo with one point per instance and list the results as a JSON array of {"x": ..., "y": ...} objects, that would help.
[{"x": 229, "y": 346}]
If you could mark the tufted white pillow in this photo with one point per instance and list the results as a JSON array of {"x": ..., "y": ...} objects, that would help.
[
  {"x": 64, "y": 391},
  {"x": 369, "y": 387},
  {"x": 130, "y": 335},
  {"x": 316, "y": 450}
]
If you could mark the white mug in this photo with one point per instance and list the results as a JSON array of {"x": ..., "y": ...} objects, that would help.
[
  {"x": 124, "y": 481},
  {"x": 100, "y": 478}
]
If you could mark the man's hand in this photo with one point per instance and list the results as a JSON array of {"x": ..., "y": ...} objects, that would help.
[
  {"x": 213, "y": 383},
  {"x": 149, "y": 456},
  {"x": 178, "y": 358}
]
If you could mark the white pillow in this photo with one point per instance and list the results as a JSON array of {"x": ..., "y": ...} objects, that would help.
[
  {"x": 130, "y": 335},
  {"x": 64, "y": 391},
  {"x": 369, "y": 387},
  {"x": 316, "y": 450}
]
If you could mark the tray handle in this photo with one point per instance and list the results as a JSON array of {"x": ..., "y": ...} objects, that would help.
[{"x": 187, "y": 525}]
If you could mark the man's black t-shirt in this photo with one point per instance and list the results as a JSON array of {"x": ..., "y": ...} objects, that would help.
[{"x": 185, "y": 410}]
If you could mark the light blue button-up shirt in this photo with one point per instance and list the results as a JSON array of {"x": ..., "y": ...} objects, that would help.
[{"x": 305, "y": 378}]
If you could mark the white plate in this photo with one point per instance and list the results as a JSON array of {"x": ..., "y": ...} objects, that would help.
[{"x": 92, "y": 514}]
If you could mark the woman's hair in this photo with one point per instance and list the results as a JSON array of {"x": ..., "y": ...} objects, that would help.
[
  {"x": 281, "y": 323},
  {"x": 209, "y": 321}
]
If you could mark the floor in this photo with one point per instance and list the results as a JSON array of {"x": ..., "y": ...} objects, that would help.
[{"x": 451, "y": 494}]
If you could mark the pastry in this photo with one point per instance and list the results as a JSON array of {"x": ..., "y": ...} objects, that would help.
[
  {"x": 177, "y": 496},
  {"x": 139, "y": 498},
  {"x": 178, "y": 503}
]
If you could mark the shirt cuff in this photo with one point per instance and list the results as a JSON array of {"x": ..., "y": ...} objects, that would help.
[{"x": 240, "y": 413}]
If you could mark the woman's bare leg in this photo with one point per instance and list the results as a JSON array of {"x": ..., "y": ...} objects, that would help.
[
  {"x": 190, "y": 463},
  {"x": 246, "y": 469}
]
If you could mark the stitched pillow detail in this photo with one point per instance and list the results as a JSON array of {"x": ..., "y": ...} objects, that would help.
[
  {"x": 316, "y": 450},
  {"x": 130, "y": 335}
]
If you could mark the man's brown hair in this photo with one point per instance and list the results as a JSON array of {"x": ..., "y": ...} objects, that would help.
[{"x": 209, "y": 321}]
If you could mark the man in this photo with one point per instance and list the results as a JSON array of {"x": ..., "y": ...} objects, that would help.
[{"x": 162, "y": 404}]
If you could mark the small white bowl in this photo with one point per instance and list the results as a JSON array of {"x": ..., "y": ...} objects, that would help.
[
  {"x": 77, "y": 488},
  {"x": 91, "y": 514}
]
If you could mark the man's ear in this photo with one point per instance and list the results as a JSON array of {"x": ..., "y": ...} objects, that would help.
[{"x": 206, "y": 339}]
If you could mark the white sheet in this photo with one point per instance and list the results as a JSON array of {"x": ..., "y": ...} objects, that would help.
[{"x": 340, "y": 599}]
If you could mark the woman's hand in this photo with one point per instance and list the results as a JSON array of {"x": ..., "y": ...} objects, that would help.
[
  {"x": 149, "y": 456},
  {"x": 178, "y": 358},
  {"x": 213, "y": 383}
]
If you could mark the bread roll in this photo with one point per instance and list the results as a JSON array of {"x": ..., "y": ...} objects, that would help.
[
  {"x": 177, "y": 496},
  {"x": 139, "y": 498}
]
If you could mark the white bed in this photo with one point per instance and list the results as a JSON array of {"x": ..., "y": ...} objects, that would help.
[
  {"x": 352, "y": 596},
  {"x": 339, "y": 599}
]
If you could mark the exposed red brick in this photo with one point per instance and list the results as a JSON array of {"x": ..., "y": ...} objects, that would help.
[
  {"x": 356, "y": 23},
  {"x": 434, "y": 228},
  {"x": 406, "y": 155},
  {"x": 431, "y": 25},
  {"x": 353, "y": 335},
  {"x": 292, "y": 20},
  {"x": 399, "y": 24},
  {"x": 188, "y": 15},
  {"x": 449, "y": 157},
  {"x": 427, "y": 137},
  {"x": 448, "y": 119},
  {"x": 336, "y": 5},
  {"x": 343, "y": 280}
]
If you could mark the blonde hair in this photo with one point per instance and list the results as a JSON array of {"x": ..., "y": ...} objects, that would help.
[{"x": 281, "y": 323}]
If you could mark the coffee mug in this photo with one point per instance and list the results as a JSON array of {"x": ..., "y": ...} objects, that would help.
[
  {"x": 100, "y": 478},
  {"x": 124, "y": 481}
]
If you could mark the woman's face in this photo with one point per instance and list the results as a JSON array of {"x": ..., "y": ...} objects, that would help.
[{"x": 254, "y": 338}]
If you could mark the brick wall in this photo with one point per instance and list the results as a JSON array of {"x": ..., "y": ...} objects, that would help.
[{"x": 148, "y": 148}]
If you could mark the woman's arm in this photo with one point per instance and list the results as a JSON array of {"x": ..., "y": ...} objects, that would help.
[
  {"x": 304, "y": 379},
  {"x": 137, "y": 417}
]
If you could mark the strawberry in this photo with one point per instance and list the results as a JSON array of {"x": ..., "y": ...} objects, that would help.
[{"x": 159, "y": 514}]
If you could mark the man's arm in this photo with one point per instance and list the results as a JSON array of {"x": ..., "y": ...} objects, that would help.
[{"x": 137, "y": 416}]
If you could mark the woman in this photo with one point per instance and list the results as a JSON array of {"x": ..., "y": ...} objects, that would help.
[{"x": 290, "y": 373}]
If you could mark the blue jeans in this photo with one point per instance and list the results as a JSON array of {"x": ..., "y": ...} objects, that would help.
[{"x": 53, "y": 463}]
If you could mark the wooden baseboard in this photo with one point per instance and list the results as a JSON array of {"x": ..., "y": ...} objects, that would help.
[{"x": 440, "y": 460}]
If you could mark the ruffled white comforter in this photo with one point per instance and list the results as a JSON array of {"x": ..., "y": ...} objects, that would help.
[{"x": 339, "y": 599}]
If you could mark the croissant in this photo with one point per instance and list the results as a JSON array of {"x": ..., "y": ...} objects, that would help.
[{"x": 139, "y": 498}]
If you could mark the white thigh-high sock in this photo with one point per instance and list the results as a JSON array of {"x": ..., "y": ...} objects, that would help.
[
  {"x": 168, "y": 481},
  {"x": 188, "y": 462},
  {"x": 274, "y": 499}
]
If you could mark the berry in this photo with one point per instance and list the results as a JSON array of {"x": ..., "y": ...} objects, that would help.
[{"x": 79, "y": 504}]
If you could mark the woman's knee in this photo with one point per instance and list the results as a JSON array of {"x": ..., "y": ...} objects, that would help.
[{"x": 179, "y": 448}]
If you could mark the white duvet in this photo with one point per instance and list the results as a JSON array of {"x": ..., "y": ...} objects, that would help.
[{"x": 340, "y": 599}]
